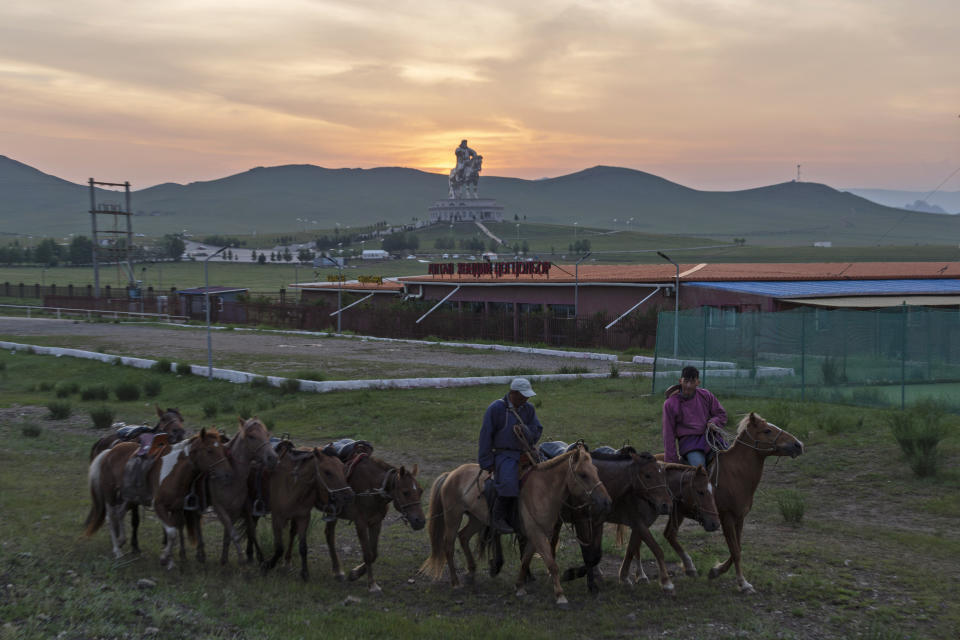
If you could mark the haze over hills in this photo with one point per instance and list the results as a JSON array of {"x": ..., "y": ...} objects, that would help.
[
  {"x": 947, "y": 201},
  {"x": 280, "y": 199}
]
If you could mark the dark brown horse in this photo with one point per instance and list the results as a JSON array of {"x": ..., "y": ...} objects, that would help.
[
  {"x": 248, "y": 452},
  {"x": 692, "y": 498},
  {"x": 170, "y": 422},
  {"x": 736, "y": 473},
  {"x": 304, "y": 479},
  {"x": 376, "y": 484},
  {"x": 170, "y": 481},
  {"x": 568, "y": 477},
  {"x": 637, "y": 487}
]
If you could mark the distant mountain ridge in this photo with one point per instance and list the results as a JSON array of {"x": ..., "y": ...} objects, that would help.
[{"x": 293, "y": 197}]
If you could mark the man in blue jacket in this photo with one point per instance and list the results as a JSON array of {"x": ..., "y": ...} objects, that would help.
[{"x": 501, "y": 449}]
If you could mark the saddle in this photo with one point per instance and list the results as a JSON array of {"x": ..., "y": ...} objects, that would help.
[
  {"x": 347, "y": 448},
  {"x": 131, "y": 431},
  {"x": 135, "y": 487},
  {"x": 554, "y": 448}
]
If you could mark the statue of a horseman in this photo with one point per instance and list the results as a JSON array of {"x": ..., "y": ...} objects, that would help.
[{"x": 465, "y": 176}]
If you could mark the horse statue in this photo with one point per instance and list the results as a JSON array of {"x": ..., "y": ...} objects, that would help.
[
  {"x": 170, "y": 484},
  {"x": 248, "y": 452},
  {"x": 170, "y": 422},
  {"x": 692, "y": 494},
  {"x": 637, "y": 488},
  {"x": 376, "y": 484},
  {"x": 543, "y": 491},
  {"x": 736, "y": 473}
]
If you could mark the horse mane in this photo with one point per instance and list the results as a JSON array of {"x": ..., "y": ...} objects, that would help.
[
  {"x": 676, "y": 466},
  {"x": 563, "y": 457}
]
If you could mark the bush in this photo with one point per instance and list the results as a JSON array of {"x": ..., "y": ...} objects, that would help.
[
  {"x": 310, "y": 374},
  {"x": 791, "y": 504},
  {"x": 127, "y": 392},
  {"x": 102, "y": 417},
  {"x": 30, "y": 429},
  {"x": 46, "y": 386},
  {"x": 289, "y": 385},
  {"x": 183, "y": 369},
  {"x": 162, "y": 366},
  {"x": 96, "y": 392},
  {"x": 260, "y": 382},
  {"x": 152, "y": 388},
  {"x": 210, "y": 409},
  {"x": 573, "y": 369},
  {"x": 66, "y": 389},
  {"x": 614, "y": 370},
  {"x": 919, "y": 431},
  {"x": 832, "y": 371},
  {"x": 59, "y": 409}
]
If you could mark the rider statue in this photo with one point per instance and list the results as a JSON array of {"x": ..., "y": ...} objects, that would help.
[
  {"x": 501, "y": 449},
  {"x": 466, "y": 173}
]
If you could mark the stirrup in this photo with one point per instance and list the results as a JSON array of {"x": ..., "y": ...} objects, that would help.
[
  {"x": 191, "y": 502},
  {"x": 259, "y": 508}
]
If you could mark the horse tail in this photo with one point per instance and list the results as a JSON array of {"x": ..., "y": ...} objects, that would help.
[
  {"x": 192, "y": 521},
  {"x": 433, "y": 566},
  {"x": 98, "y": 507}
]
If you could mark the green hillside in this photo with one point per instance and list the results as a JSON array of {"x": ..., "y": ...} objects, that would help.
[{"x": 304, "y": 197}]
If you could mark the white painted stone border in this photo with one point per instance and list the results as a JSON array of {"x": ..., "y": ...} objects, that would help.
[{"x": 675, "y": 362}]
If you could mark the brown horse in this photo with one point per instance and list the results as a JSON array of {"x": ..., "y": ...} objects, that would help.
[
  {"x": 638, "y": 489},
  {"x": 170, "y": 480},
  {"x": 736, "y": 473},
  {"x": 170, "y": 422},
  {"x": 376, "y": 484},
  {"x": 568, "y": 477},
  {"x": 248, "y": 452},
  {"x": 304, "y": 479},
  {"x": 693, "y": 498}
]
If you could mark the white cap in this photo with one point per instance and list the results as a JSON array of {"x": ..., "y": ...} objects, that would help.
[{"x": 522, "y": 385}]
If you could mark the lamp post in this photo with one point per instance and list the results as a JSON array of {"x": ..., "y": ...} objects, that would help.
[
  {"x": 206, "y": 296},
  {"x": 576, "y": 285},
  {"x": 676, "y": 304},
  {"x": 339, "y": 284}
]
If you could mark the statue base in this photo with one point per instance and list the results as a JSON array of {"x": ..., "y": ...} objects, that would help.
[{"x": 452, "y": 210}]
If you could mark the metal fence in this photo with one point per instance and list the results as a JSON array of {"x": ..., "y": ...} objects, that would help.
[{"x": 886, "y": 357}]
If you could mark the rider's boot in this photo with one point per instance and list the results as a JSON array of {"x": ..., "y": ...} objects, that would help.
[{"x": 502, "y": 507}]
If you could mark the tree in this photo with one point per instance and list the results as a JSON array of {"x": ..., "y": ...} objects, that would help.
[
  {"x": 262, "y": 258},
  {"x": 172, "y": 246},
  {"x": 47, "y": 252},
  {"x": 253, "y": 255},
  {"x": 80, "y": 251},
  {"x": 304, "y": 255},
  {"x": 287, "y": 256}
]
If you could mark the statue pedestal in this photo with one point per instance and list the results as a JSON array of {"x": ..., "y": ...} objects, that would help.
[{"x": 452, "y": 210}]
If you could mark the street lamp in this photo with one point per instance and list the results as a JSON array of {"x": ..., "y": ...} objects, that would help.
[
  {"x": 576, "y": 285},
  {"x": 206, "y": 296},
  {"x": 676, "y": 304}
]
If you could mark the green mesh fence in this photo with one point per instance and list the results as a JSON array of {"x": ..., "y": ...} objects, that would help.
[{"x": 890, "y": 357}]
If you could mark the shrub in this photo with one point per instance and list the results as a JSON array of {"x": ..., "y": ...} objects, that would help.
[
  {"x": 832, "y": 371},
  {"x": 614, "y": 370},
  {"x": 127, "y": 392},
  {"x": 573, "y": 369},
  {"x": 289, "y": 385},
  {"x": 66, "y": 389},
  {"x": 919, "y": 431},
  {"x": 310, "y": 374},
  {"x": 30, "y": 429},
  {"x": 162, "y": 365},
  {"x": 96, "y": 392},
  {"x": 791, "y": 504},
  {"x": 59, "y": 409},
  {"x": 152, "y": 388},
  {"x": 210, "y": 408},
  {"x": 102, "y": 417},
  {"x": 260, "y": 382},
  {"x": 46, "y": 386},
  {"x": 183, "y": 369}
]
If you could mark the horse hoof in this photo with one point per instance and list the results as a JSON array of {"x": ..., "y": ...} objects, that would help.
[
  {"x": 353, "y": 576},
  {"x": 714, "y": 573},
  {"x": 375, "y": 589},
  {"x": 747, "y": 589},
  {"x": 669, "y": 591},
  {"x": 692, "y": 573},
  {"x": 562, "y": 602},
  {"x": 521, "y": 592}
]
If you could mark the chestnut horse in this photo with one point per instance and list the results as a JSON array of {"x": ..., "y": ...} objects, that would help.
[
  {"x": 376, "y": 484},
  {"x": 637, "y": 487},
  {"x": 693, "y": 498},
  {"x": 736, "y": 473},
  {"x": 170, "y": 479},
  {"x": 248, "y": 452},
  {"x": 304, "y": 479},
  {"x": 568, "y": 477},
  {"x": 170, "y": 422}
]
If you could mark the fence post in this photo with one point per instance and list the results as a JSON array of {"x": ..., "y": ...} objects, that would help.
[
  {"x": 903, "y": 356},
  {"x": 656, "y": 351},
  {"x": 803, "y": 355},
  {"x": 703, "y": 369}
]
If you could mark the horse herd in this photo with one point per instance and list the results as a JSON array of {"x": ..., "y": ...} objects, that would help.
[{"x": 251, "y": 475}]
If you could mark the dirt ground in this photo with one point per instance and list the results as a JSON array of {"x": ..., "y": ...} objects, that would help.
[{"x": 273, "y": 353}]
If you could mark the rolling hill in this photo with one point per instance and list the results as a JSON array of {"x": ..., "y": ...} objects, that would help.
[{"x": 278, "y": 199}]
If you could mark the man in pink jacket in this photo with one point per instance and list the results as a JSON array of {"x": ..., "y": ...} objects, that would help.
[{"x": 686, "y": 417}]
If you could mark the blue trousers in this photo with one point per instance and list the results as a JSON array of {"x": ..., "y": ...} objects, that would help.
[{"x": 696, "y": 457}]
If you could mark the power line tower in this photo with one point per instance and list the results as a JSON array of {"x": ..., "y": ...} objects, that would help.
[{"x": 108, "y": 244}]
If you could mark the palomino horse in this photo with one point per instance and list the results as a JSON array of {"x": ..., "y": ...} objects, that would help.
[
  {"x": 693, "y": 498},
  {"x": 736, "y": 473},
  {"x": 170, "y": 422},
  {"x": 568, "y": 477},
  {"x": 248, "y": 452},
  {"x": 637, "y": 488},
  {"x": 375, "y": 484},
  {"x": 304, "y": 479},
  {"x": 170, "y": 480}
]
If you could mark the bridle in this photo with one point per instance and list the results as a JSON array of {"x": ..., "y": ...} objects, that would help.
[
  {"x": 331, "y": 508},
  {"x": 583, "y": 485},
  {"x": 648, "y": 489},
  {"x": 384, "y": 492}
]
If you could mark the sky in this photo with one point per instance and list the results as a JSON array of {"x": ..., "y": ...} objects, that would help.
[{"x": 712, "y": 94}]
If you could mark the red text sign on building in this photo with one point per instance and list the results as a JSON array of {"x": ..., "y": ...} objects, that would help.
[{"x": 495, "y": 269}]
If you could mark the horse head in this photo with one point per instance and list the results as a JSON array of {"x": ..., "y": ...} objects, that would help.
[
  {"x": 405, "y": 493},
  {"x": 255, "y": 439},
  {"x": 584, "y": 483},
  {"x": 171, "y": 423},
  {"x": 697, "y": 491},
  {"x": 208, "y": 455},
  {"x": 333, "y": 491},
  {"x": 766, "y": 437},
  {"x": 650, "y": 482}
]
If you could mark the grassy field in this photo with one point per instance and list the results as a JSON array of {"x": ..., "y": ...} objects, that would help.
[{"x": 874, "y": 556}]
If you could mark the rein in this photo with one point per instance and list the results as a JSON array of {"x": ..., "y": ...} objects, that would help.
[
  {"x": 331, "y": 509},
  {"x": 762, "y": 447}
]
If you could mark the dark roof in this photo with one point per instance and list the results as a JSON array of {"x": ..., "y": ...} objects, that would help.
[
  {"x": 825, "y": 288},
  {"x": 199, "y": 291}
]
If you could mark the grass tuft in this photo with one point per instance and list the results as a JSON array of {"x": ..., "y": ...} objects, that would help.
[
  {"x": 96, "y": 392},
  {"x": 59, "y": 409},
  {"x": 102, "y": 417},
  {"x": 30, "y": 429},
  {"x": 163, "y": 365},
  {"x": 66, "y": 389},
  {"x": 289, "y": 385},
  {"x": 210, "y": 409},
  {"x": 126, "y": 392},
  {"x": 791, "y": 505},
  {"x": 919, "y": 431}
]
